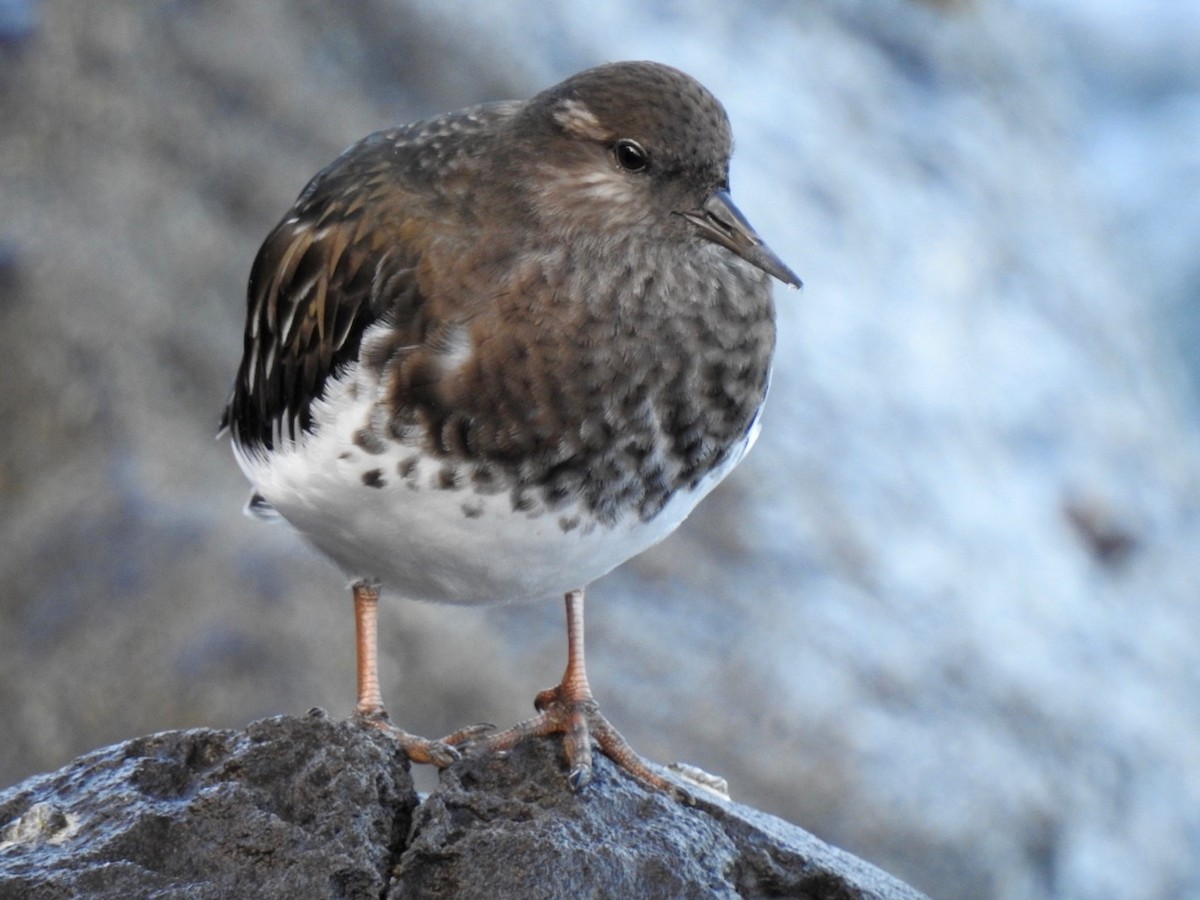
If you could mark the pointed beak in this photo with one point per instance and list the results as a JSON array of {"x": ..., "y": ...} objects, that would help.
[{"x": 723, "y": 223}]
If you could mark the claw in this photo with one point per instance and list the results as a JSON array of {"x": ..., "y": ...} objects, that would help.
[
  {"x": 579, "y": 777},
  {"x": 435, "y": 753}
]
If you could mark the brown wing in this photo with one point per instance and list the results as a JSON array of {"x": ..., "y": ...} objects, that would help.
[{"x": 331, "y": 268}]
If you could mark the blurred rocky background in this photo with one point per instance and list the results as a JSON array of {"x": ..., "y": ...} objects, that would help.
[{"x": 945, "y": 616}]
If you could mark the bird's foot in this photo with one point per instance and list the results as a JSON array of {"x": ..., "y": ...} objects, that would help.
[
  {"x": 579, "y": 720},
  {"x": 440, "y": 753}
]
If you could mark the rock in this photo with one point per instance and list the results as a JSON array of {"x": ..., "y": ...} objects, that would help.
[
  {"x": 288, "y": 807},
  {"x": 308, "y": 807}
]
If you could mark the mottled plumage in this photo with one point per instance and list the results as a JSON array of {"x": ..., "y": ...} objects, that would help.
[{"x": 491, "y": 355}]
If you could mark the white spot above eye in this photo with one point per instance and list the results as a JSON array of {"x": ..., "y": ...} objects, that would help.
[{"x": 577, "y": 119}]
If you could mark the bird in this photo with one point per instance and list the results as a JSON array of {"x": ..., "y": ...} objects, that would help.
[{"x": 491, "y": 355}]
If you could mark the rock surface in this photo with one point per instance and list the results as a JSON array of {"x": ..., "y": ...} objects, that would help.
[
  {"x": 308, "y": 807},
  {"x": 286, "y": 808}
]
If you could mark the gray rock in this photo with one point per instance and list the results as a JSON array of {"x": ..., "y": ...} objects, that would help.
[
  {"x": 307, "y": 807},
  {"x": 288, "y": 807}
]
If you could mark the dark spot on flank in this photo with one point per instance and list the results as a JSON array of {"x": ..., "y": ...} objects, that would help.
[
  {"x": 486, "y": 479},
  {"x": 472, "y": 510},
  {"x": 373, "y": 478},
  {"x": 407, "y": 467},
  {"x": 555, "y": 494},
  {"x": 345, "y": 457},
  {"x": 652, "y": 505},
  {"x": 522, "y": 502},
  {"x": 367, "y": 440},
  {"x": 448, "y": 478},
  {"x": 568, "y": 523}
]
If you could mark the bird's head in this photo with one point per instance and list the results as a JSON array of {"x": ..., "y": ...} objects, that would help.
[{"x": 634, "y": 147}]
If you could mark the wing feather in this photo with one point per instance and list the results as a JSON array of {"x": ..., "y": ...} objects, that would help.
[{"x": 332, "y": 267}]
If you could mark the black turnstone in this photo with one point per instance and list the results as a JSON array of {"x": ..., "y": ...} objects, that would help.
[{"x": 492, "y": 355}]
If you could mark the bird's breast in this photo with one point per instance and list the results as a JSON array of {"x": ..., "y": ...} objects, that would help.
[{"x": 620, "y": 381}]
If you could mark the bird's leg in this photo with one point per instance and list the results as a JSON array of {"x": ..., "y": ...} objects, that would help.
[
  {"x": 570, "y": 709},
  {"x": 369, "y": 709},
  {"x": 366, "y": 635}
]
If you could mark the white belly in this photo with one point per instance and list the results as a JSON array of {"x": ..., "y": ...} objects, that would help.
[{"x": 429, "y": 542}]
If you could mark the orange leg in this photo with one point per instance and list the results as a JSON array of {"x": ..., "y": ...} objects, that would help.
[
  {"x": 570, "y": 709},
  {"x": 366, "y": 633},
  {"x": 369, "y": 708}
]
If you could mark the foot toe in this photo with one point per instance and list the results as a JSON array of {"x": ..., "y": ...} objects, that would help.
[
  {"x": 465, "y": 739},
  {"x": 435, "y": 753},
  {"x": 418, "y": 749}
]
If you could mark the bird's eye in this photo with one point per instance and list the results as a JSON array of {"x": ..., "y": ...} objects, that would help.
[{"x": 631, "y": 156}]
